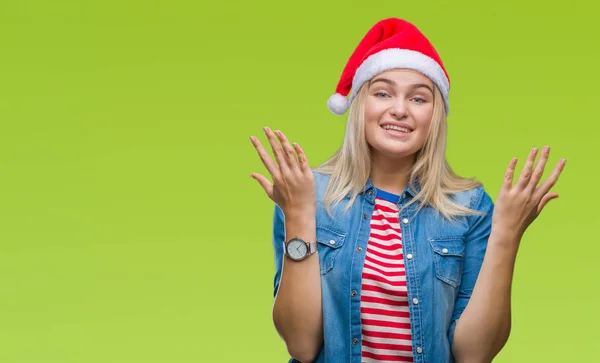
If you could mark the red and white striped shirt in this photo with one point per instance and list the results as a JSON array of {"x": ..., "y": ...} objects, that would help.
[{"x": 384, "y": 311}]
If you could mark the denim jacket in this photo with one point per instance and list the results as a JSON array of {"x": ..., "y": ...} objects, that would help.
[{"x": 442, "y": 261}]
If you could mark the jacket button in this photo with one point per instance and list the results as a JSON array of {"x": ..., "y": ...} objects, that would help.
[
  {"x": 370, "y": 192},
  {"x": 354, "y": 341},
  {"x": 332, "y": 242},
  {"x": 409, "y": 256},
  {"x": 444, "y": 250},
  {"x": 359, "y": 249},
  {"x": 353, "y": 293},
  {"x": 405, "y": 221},
  {"x": 415, "y": 301},
  {"x": 419, "y": 350}
]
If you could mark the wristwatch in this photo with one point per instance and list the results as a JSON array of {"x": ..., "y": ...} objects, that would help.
[{"x": 298, "y": 249}]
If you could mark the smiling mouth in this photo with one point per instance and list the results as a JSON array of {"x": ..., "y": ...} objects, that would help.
[{"x": 403, "y": 130}]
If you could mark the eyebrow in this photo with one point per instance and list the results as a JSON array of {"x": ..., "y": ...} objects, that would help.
[{"x": 392, "y": 83}]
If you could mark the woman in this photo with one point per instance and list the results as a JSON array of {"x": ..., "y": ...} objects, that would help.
[{"x": 382, "y": 253}]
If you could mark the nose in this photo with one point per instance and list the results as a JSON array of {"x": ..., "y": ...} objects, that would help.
[{"x": 399, "y": 110}]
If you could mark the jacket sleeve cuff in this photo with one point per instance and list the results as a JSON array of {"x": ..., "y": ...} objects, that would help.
[{"x": 451, "y": 332}]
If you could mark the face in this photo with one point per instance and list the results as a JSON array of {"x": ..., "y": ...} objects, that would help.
[{"x": 398, "y": 112}]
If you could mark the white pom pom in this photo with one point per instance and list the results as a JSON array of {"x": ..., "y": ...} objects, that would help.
[{"x": 337, "y": 104}]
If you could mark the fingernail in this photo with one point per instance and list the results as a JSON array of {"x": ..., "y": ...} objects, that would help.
[{"x": 266, "y": 129}]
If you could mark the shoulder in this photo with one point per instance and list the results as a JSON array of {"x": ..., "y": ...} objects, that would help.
[
  {"x": 470, "y": 198},
  {"x": 321, "y": 178},
  {"x": 476, "y": 199},
  {"x": 321, "y": 182}
]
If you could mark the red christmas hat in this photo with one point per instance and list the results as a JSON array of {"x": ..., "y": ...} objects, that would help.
[{"x": 391, "y": 43}]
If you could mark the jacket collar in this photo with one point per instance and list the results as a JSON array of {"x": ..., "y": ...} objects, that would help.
[{"x": 411, "y": 190}]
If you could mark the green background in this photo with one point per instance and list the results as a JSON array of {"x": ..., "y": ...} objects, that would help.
[{"x": 130, "y": 229}]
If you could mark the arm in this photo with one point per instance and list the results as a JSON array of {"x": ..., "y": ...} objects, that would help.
[
  {"x": 484, "y": 326},
  {"x": 297, "y": 312},
  {"x": 483, "y": 305}
]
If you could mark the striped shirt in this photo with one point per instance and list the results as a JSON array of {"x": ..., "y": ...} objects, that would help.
[{"x": 384, "y": 311}]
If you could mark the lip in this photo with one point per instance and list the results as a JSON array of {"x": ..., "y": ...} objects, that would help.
[{"x": 398, "y": 124}]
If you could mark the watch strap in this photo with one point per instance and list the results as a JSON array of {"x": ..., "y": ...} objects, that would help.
[{"x": 312, "y": 247}]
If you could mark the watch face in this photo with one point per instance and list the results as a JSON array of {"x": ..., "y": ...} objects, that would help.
[{"x": 297, "y": 249}]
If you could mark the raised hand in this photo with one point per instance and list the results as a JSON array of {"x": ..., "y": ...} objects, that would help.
[
  {"x": 293, "y": 187},
  {"x": 518, "y": 205}
]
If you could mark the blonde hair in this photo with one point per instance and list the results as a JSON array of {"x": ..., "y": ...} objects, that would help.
[{"x": 350, "y": 167}]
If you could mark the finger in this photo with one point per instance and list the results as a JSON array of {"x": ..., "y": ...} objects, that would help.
[
  {"x": 290, "y": 154},
  {"x": 538, "y": 172},
  {"x": 277, "y": 150},
  {"x": 264, "y": 183},
  {"x": 265, "y": 158},
  {"x": 525, "y": 175},
  {"x": 548, "y": 197},
  {"x": 551, "y": 180},
  {"x": 302, "y": 160},
  {"x": 510, "y": 172}
]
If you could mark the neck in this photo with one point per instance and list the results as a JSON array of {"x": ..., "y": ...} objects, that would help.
[{"x": 391, "y": 175}]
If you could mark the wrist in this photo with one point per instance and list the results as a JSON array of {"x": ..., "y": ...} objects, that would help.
[
  {"x": 301, "y": 225},
  {"x": 300, "y": 215},
  {"x": 506, "y": 239}
]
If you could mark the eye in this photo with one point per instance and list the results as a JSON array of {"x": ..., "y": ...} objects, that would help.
[
  {"x": 381, "y": 94},
  {"x": 419, "y": 100}
]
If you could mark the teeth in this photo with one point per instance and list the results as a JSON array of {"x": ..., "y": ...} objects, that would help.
[{"x": 396, "y": 128}]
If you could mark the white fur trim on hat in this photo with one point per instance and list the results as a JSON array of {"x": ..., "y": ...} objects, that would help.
[
  {"x": 394, "y": 58},
  {"x": 338, "y": 104}
]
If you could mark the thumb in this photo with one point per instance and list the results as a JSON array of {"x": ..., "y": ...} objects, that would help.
[
  {"x": 548, "y": 197},
  {"x": 264, "y": 183}
]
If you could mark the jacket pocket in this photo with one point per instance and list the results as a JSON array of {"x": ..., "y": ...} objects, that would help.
[
  {"x": 448, "y": 254},
  {"x": 329, "y": 241}
]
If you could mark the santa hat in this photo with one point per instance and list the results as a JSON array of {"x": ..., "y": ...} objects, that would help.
[{"x": 389, "y": 44}]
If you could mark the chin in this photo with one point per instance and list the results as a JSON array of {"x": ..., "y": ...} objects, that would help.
[{"x": 394, "y": 151}]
